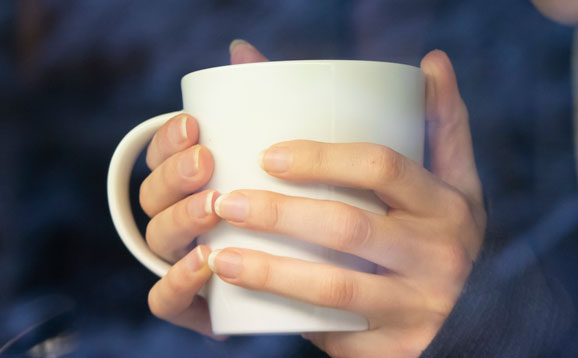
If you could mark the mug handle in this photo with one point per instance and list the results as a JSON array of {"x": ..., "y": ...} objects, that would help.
[{"x": 119, "y": 171}]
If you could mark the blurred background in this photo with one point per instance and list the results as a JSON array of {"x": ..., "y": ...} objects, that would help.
[{"x": 76, "y": 75}]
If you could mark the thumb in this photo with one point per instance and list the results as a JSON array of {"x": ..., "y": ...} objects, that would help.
[
  {"x": 243, "y": 52},
  {"x": 450, "y": 141}
]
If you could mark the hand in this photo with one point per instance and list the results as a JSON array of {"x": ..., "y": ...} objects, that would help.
[
  {"x": 424, "y": 247},
  {"x": 179, "y": 213}
]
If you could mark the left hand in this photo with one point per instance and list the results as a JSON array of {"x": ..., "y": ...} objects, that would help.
[{"x": 424, "y": 246}]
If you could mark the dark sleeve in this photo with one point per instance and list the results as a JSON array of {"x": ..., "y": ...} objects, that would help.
[{"x": 508, "y": 308}]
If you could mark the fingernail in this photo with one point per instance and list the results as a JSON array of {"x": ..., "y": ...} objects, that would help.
[
  {"x": 225, "y": 263},
  {"x": 209, "y": 203},
  {"x": 276, "y": 159},
  {"x": 178, "y": 130},
  {"x": 201, "y": 208},
  {"x": 236, "y": 43},
  {"x": 196, "y": 259},
  {"x": 189, "y": 163},
  {"x": 232, "y": 207}
]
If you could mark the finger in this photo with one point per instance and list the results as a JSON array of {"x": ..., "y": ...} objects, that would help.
[
  {"x": 243, "y": 52},
  {"x": 173, "y": 297},
  {"x": 377, "y": 238},
  {"x": 171, "y": 232},
  {"x": 177, "y": 134},
  {"x": 318, "y": 284},
  {"x": 399, "y": 181},
  {"x": 177, "y": 177},
  {"x": 452, "y": 156},
  {"x": 197, "y": 318}
]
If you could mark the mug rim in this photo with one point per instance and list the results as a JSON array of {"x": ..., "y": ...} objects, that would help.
[{"x": 189, "y": 75}]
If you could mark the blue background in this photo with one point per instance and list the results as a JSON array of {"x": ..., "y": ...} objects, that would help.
[{"x": 76, "y": 75}]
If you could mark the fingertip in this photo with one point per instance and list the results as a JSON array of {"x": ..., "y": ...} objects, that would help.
[
  {"x": 218, "y": 337},
  {"x": 211, "y": 259},
  {"x": 207, "y": 154},
  {"x": 196, "y": 260},
  {"x": 217, "y": 205},
  {"x": 242, "y": 51},
  {"x": 450, "y": 140},
  {"x": 210, "y": 200},
  {"x": 177, "y": 134},
  {"x": 192, "y": 128},
  {"x": 153, "y": 301},
  {"x": 235, "y": 43},
  {"x": 260, "y": 158},
  {"x": 181, "y": 130},
  {"x": 184, "y": 128},
  {"x": 434, "y": 56},
  {"x": 206, "y": 163},
  {"x": 438, "y": 65},
  {"x": 442, "y": 92},
  {"x": 276, "y": 160},
  {"x": 203, "y": 253}
]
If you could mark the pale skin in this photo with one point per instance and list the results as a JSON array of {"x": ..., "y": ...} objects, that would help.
[{"x": 424, "y": 247}]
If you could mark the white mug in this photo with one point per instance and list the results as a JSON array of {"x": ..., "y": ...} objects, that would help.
[{"x": 244, "y": 109}]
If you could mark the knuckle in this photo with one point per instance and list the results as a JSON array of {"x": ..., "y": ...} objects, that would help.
[
  {"x": 156, "y": 233},
  {"x": 273, "y": 216},
  {"x": 440, "y": 303},
  {"x": 445, "y": 305},
  {"x": 456, "y": 263},
  {"x": 180, "y": 217},
  {"x": 459, "y": 209},
  {"x": 169, "y": 177},
  {"x": 263, "y": 280},
  {"x": 338, "y": 290},
  {"x": 385, "y": 165},
  {"x": 350, "y": 228},
  {"x": 452, "y": 268},
  {"x": 319, "y": 158}
]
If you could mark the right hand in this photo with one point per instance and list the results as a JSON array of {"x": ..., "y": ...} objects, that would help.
[{"x": 169, "y": 195}]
